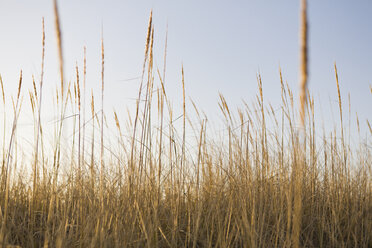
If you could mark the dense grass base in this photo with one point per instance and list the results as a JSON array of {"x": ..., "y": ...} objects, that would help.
[{"x": 230, "y": 210}]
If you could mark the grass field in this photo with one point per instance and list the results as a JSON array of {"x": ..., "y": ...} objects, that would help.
[{"x": 151, "y": 185}]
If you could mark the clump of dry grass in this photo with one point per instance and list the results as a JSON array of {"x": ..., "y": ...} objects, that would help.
[{"x": 254, "y": 187}]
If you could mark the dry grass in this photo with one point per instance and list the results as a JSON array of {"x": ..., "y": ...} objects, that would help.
[{"x": 255, "y": 187}]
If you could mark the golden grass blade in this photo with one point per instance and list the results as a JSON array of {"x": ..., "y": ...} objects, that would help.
[
  {"x": 303, "y": 61},
  {"x": 59, "y": 45},
  {"x": 299, "y": 163},
  {"x": 369, "y": 126},
  {"x": 2, "y": 89}
]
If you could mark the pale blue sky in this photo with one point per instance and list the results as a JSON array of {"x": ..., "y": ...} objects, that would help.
[{"x": 222, "y": 45}]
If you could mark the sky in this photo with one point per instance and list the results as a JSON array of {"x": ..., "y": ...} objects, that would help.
[{"x": 222, "y": 45}]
